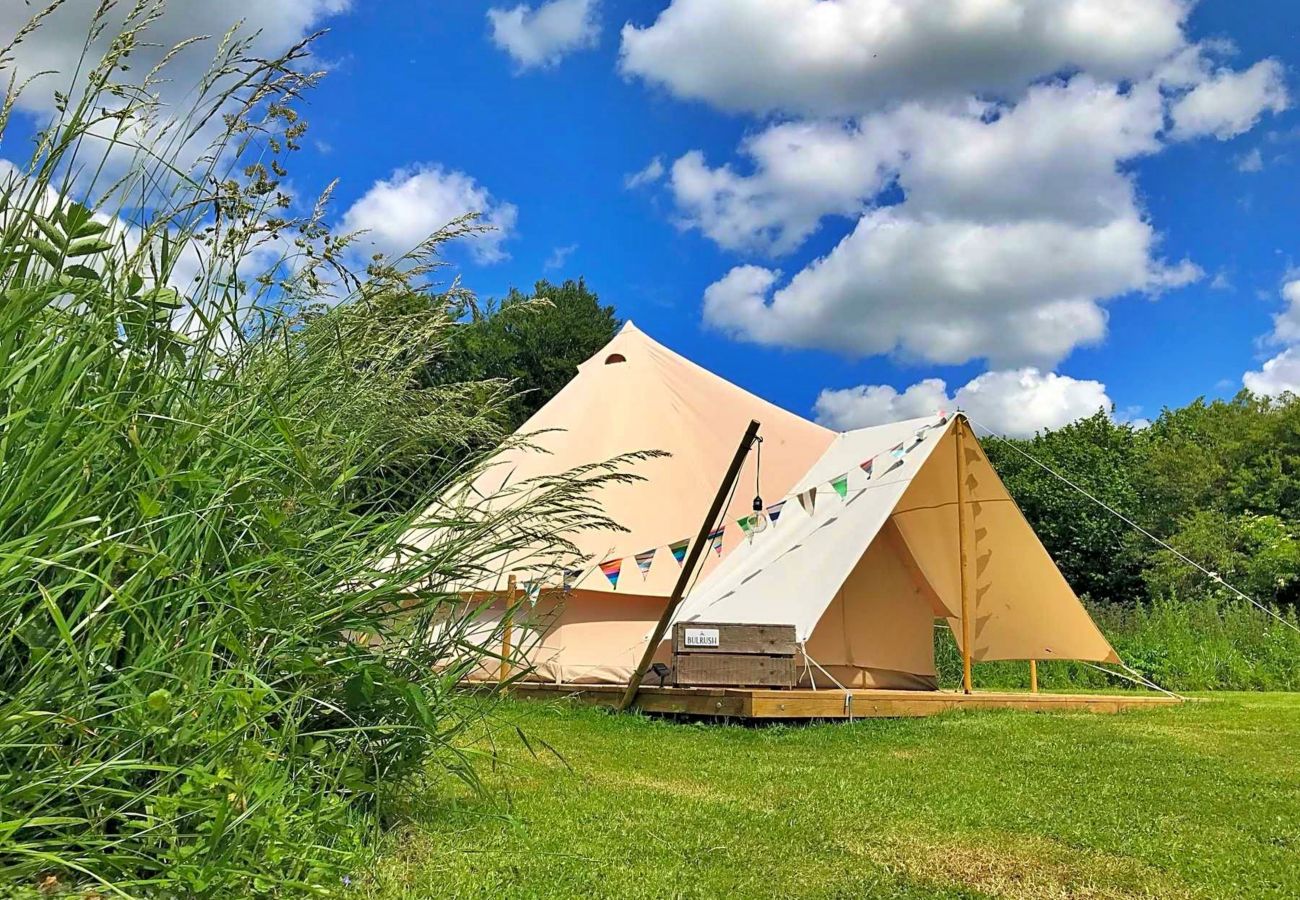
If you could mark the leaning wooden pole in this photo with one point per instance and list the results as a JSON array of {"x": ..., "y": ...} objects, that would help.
[
  {"x": 963, "y": 551},
  {"x": 688, "y": 566}
]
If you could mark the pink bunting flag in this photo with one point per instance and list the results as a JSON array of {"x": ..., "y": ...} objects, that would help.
[
  {"x": 867, "y": 467},
  {"x": 715, "y": 540}
]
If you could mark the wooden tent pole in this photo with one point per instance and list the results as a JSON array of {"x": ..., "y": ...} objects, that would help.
[
  {"x": 507, "y": 632},
  {"x": 688, "y": 566},
  {"x": 963, "y": 552},
  {"x": 1033, "y": 676}
]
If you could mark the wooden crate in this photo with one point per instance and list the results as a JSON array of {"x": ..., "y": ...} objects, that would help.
[{"x": 732, "y": 655}]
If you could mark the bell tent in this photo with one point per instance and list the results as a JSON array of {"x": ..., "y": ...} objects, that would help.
[
  {"x": 637, "y": 395},
  {"x": 869, "y": 551}
]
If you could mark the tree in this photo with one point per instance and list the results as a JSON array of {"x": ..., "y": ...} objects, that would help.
[{"x": 535, "y": 341}]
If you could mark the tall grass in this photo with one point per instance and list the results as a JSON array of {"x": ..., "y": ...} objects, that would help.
[
  {"x": 208, "y": 687},
  {"x": 1196, "y": 643}
]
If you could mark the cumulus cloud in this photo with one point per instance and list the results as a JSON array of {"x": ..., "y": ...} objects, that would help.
[
  {"x": 984, "y": 151},
  {"x": 559, "y": 256},
  {"x": 57, "y": 45},
  {"x": 1281, "y": 374},
  {"x": 1015, "y": 402},
  {"x": 1252, "y": 161},
  {"x": 542, "y": 36},
  {"x": 1230, "y": 103},
  {"x": 846, "y": 57},
  {"x": 399, "y": 212}
]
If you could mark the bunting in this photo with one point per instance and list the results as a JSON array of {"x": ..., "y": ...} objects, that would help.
[
  {"x": 612, "y": 569},
  {"x": 643, "y": 562},
  {"x": 678, "y": 550},
  {"x": 841, "y": 485},
  {"x": 715, "y": 540}
]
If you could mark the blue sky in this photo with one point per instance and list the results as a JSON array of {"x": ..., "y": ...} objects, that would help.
[{"x": 1140, "y": 256}]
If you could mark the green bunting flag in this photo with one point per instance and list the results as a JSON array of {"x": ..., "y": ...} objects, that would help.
[
  {"x": 841, "y": 485},
  {"x": 746, "y": 525},
  {"x": 643, "y": 561},
  {"x": 678, "y": 550}
]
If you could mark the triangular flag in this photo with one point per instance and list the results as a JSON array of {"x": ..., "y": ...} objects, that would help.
[
  {"x": 531, "y": 591},
  {"x": 571, "y": 577},
  {"x": 808, "y": 500},
  {"x": 715, "y": 540},
  {"x": 897, "y": 452},
  {"x": 774, "y": 511},
  {"x": 612, "y": 569},
  {"x": 943, "y": 417},
  {"x": 867, "y": 467},
  {"x": 841, "y": 485},
  {"x": 643, "y": 561},
  {"x": 678, "y": 550},
  {"x": 746, "y": 525}
]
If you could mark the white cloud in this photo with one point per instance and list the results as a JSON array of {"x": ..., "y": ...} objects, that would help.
[
  {"x": 983, "y": 147},
  {"x": 56, "y": 46},
  {"x": 401, "y": 211},
  {"x": 542, "y": 36},
  {"x": 846, "y": 57},
  {"x": 1229, "y": 103},
  {"x": 653, "y": 171},
  {"x": 1015, "y": 402},
  {"x": 1253, "y": 161},
  {"x": 1281, "y": 373},
  {"x": 559, "y": 256}
]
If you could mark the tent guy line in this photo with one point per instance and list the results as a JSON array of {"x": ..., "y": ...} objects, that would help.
[{"x": 1213, "y": 576}]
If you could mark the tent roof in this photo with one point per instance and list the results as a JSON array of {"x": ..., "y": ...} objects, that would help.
[
  {"x": 633, "y": 395},
  {"x": 791, "y": 572}
]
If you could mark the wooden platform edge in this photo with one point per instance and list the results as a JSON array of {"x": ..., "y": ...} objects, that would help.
[{"x": 762, "y": 703}]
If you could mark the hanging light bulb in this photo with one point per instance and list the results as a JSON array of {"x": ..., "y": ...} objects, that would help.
[{"x": 758, "y": 521}]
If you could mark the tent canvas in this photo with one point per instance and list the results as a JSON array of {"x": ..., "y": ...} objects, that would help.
[
  {"x": 636, "y": 395},
  {"x": 864, "y": 577}
]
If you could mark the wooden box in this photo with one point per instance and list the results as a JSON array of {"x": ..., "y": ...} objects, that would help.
[{"x": 731, "y": 655}]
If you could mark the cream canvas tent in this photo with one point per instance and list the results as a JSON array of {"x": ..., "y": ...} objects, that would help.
[
  {"x": 864, "y": 576},
  {"x": 636, "y": 395}
]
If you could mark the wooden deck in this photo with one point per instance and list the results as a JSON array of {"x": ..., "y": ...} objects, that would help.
[{"x": 767, "y": 703}]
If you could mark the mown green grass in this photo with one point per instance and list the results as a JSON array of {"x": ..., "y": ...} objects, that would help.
[{"x": 1197, "y": 801}]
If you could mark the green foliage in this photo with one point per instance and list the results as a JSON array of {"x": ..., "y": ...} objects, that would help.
[
  {"x": 220, "y": 662},
  {"x": 534, "y": 341}
]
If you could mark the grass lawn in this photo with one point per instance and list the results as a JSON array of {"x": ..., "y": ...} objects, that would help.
[{"x": 1199, "y": 801}]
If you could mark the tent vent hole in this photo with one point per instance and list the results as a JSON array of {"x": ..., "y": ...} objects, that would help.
[{"x": 615, "y": 358}]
